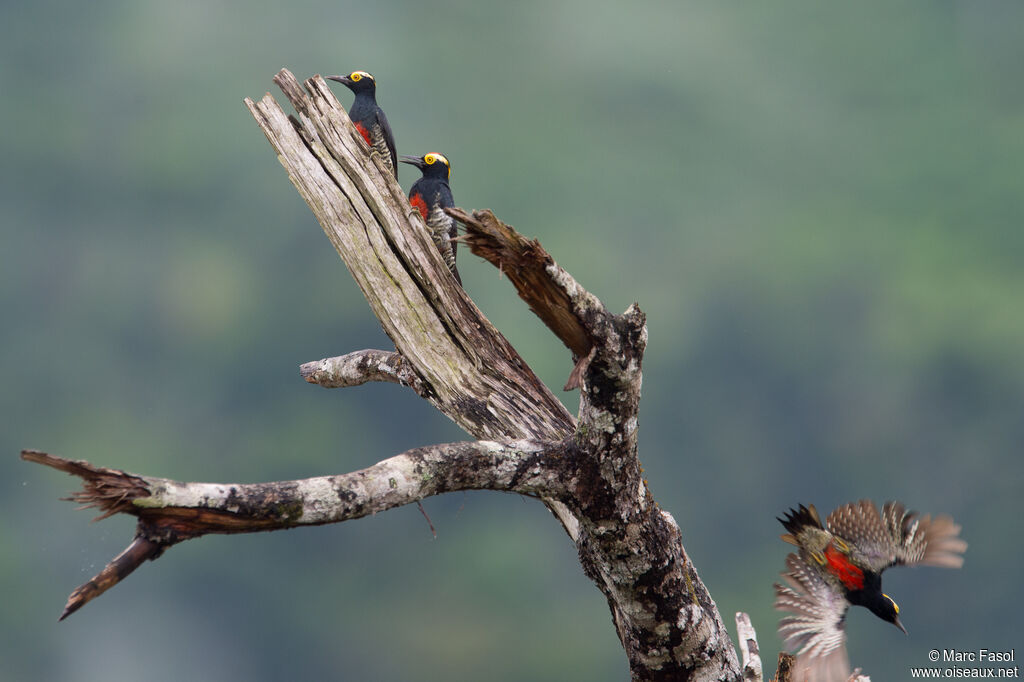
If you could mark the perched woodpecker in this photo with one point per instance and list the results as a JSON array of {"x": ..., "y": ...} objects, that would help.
[
  {"x": 369, "y": 118},
  {"x": 840, "y": 564},
  {"x": 430, "y": 195}
]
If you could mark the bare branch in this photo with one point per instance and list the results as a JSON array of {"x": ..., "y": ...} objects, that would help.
[
  {"x": 752, "y": 671},
  {"x": 170, "y": 512},
  {"x": 192, "y": 509},
  {"x": 577, "y": 317},
  {"x": 526, "y": 264},
  {"x": 574, "y": 314},
  {"x": 120, "y": 567},
  {"x": 361, "y": 367}
]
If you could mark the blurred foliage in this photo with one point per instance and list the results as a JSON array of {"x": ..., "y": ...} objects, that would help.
[{"x": 819, "y": 208}]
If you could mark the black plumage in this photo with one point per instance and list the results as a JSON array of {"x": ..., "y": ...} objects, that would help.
[
  {"x": 369, "y": 118},
  {"x": 430, "y": 195}
]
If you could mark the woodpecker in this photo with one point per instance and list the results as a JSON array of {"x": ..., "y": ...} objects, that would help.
[
  {"x": 430, "y": 195},
  {"x": 369, "y": 118},
  {"x": 840, "y": 564}
]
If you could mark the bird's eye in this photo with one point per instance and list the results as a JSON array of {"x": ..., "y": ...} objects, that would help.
[
  {"x": 429, "y": 159},
  {"x": 895, "y": 606},
  {"x": 356, "y": 77}
]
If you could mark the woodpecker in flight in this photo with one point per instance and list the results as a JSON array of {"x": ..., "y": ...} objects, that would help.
[
  {"x": 430, "y": 195},
  {"x": 369, "y": 118},
  {"x": 840, "y": 564}
]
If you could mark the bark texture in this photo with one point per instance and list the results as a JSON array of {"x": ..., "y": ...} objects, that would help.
[
  {"x": 787, "y": 666},
  {"x": 585, "y": 470}
]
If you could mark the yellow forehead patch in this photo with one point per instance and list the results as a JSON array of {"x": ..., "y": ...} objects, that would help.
[
  {"x": 894, "y": 604},
  {"x": 434, "y": 157}
]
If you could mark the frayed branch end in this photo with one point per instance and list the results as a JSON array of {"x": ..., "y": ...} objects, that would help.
[{"x": 109, "y": 490}]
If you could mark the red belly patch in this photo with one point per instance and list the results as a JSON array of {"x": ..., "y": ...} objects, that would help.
[
  {"x": 364, "y": 132},
  {"x": 840, "y": 566},
  {"x": 417, "y": 201}
]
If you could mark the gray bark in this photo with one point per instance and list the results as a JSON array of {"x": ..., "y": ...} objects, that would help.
[{"x": 585, "y": 470}]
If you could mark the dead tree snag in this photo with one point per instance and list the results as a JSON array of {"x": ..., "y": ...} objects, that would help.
[{"x": 586, "y": 469}]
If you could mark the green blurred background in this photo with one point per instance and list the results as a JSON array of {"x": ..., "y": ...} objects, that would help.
[{"x": 819, "y": 209}]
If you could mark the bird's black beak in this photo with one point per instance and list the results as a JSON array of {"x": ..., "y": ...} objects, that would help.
[
  {"x": 898, "y": 624},
  {"x": 341, "y": 79},
  {"x": 413, "y": 161}
]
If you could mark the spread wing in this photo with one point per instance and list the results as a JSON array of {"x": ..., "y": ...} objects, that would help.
[
  {"x": 896, "y": 537},
  {"x": 816, "y": 627}
]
